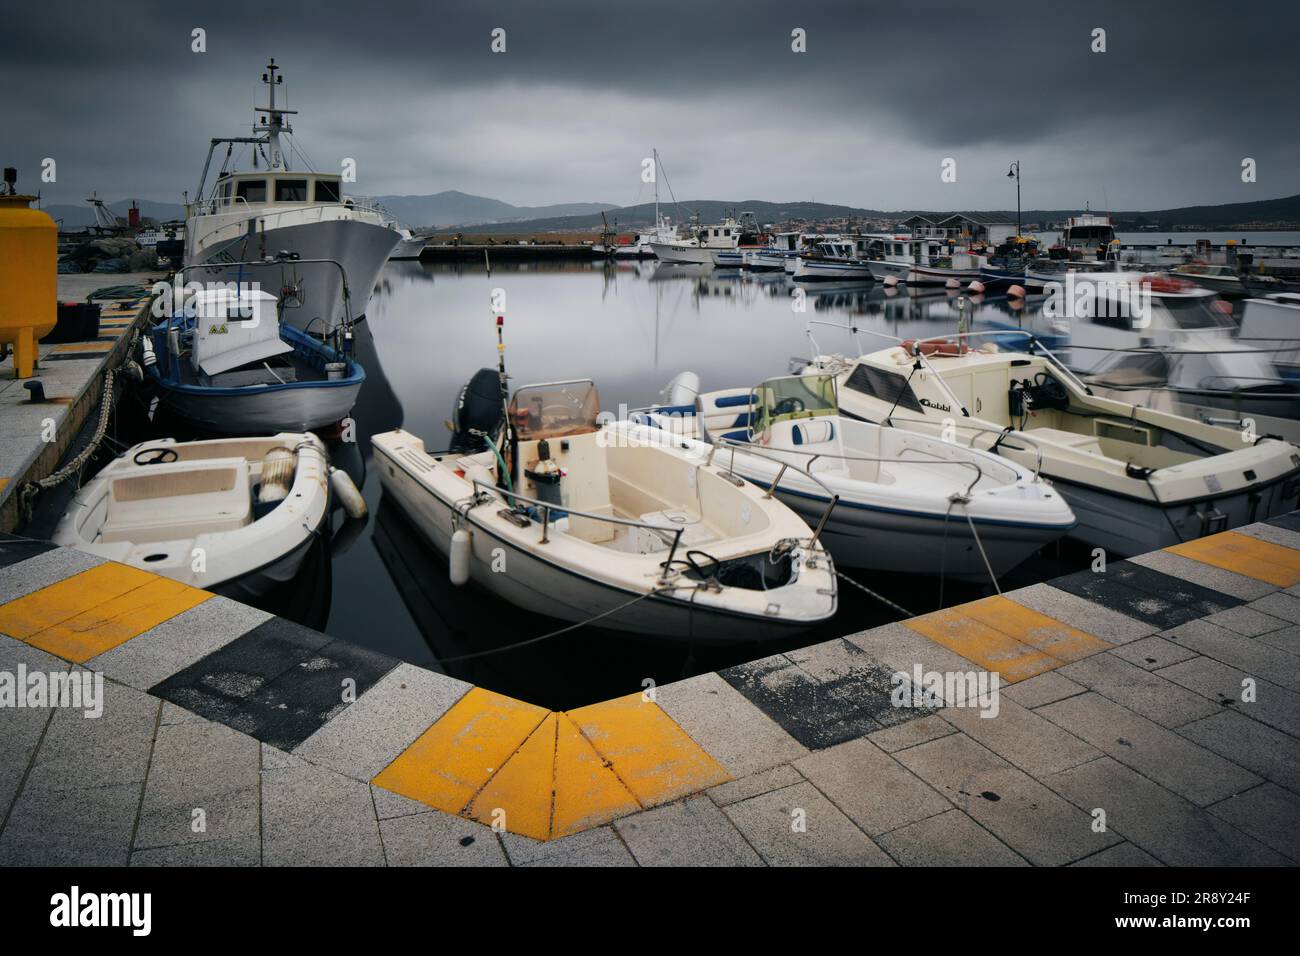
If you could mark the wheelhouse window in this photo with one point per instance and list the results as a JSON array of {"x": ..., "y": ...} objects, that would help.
[
  {"x": 327, "y": 190},
  {"x": 291, "y": 190},
  {"x": 886, "y": 386},
  {"x": 251, "y": 190}
]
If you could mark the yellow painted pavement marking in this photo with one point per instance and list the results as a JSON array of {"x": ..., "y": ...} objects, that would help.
[
  {"x": 588, "y": 791},
  {"x": 1028, "y": 626},
  {"x": 83, "y": 347},
  {"x": 989, "y": 648},
  {"x": 651, "y": 754},
  {"x": 451, "y": 761},
  {"x": 551, "y": 774},
  {"x": 519, "y": 794},
  {"x": 96, "y": 610},
  {"x": 1242, "y": 554}
]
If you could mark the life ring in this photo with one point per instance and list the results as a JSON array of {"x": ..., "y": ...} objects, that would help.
[
  {"x": 1161, "y": 283},
  {"x": 940, "y": 347}
]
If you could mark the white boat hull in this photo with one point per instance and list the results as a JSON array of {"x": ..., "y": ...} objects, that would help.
[
  {"x": 818, "y": 270},
  {"x": 678, "y": 252},
  {"x": 361, "y": 247}
]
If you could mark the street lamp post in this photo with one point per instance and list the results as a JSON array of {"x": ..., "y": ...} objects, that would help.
[{"x": 1014, "y": 173}]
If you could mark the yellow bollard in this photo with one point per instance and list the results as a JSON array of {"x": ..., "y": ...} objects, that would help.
[{"x": 29, "y": 254}]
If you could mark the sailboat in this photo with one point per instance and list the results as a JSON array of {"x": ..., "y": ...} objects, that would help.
[{"x": 285, "y": 212}]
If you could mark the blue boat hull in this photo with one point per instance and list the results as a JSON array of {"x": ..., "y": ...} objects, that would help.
[{"x": 262, "y": 409}]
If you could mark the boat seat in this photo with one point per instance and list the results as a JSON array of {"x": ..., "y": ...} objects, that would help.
[
  {"x": 725, "y": 414},
  {"x": 814, "y": 432},
  {"x": 176, "y": 500}
]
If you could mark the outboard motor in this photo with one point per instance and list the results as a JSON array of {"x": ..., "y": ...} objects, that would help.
[{"x": 479, "y": 409}]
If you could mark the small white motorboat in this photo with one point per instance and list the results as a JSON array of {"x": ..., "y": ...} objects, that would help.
[
  {"x": 234, "y": 515},
  {"x": 622, "y": 526},
  {"x": 1138, "y": 479},
  {"x": 904, "y": 501},
  {"x": 831, "y": 262}
]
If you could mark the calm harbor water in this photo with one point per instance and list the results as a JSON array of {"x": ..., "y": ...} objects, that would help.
[{"x": 630, "y": 328}]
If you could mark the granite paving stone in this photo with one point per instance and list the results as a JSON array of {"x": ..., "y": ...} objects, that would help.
[
  {"x": 203, "y": 785},
  {"x": 948, "y": 839},
  {"x": 798, "y": 826},
  {"x": 1206, "y": 575},
  {"x": 312, "y": 816},
  {"x": 367, "y": 735},
  {"x": 1172, "y": 761},
  {"x": 175, "y": 644},
  {"x": 1023, "y": 738},
  {"x": 1273, "y": 705},
  {"x": 1268, "y": 813},
  {"x": 1078, "y": 612},
  {"x": 875, "y": 791},
  {"x": 756, "y": 783},
  {"x": 721, "y": 720},
  {"x": 600, "y": 846},
  {"x": 690, "y": 832},
  {"x": 1021, "y": 812},
  {"x": 1152, "y": 653},
  {"x": 1174, "y": 831},
  {"x": 1255, "y": 746},
  {"x": 1139, "y": 690},
  {"x": 439, "y": 839},
  {"x": 1042, "y": 689}
]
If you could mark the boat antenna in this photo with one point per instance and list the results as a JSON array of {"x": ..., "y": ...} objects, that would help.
[{"x": 512, "y": 437}]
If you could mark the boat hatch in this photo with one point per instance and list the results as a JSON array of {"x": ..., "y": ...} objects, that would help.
[
  {"x": 793, "y": 397},
  {"x": 178, "y": 500},
  {"x": 555, "y": 410}
]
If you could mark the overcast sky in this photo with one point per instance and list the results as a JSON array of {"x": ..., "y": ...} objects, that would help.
[{"x": 885, "y": 92}]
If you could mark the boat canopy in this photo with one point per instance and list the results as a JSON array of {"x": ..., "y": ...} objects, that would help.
[
  {"x": 555, "y": 410},
  {"x": 793, "y": 397}
]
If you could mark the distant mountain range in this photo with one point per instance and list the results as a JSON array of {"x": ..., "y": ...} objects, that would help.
[
  {"x": 450, "y": 207},
  {"x": 481, "y": 215},
  {"x": 1285, "y": 210}
]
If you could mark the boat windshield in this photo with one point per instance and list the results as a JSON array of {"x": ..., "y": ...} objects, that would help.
[
  {"x": 555, "y": 410},
  {"x": 791, "y": 397}
]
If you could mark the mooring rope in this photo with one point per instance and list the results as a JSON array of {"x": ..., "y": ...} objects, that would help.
[{"x": 879, "y": 597}]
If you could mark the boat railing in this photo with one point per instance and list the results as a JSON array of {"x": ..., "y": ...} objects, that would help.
[
  {"x": 513, "y": 498},
  {"x": 813, "y": 456},
  {"x": 771, "y": 489},
  {"x": 1002, "y": 433}
]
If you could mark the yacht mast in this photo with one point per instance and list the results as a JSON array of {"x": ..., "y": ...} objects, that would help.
[{"x": 656, "y": 153}]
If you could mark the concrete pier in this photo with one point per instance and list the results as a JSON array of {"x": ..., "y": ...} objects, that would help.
[
  {"x": 35, "y": 435},
  {"x": 1144, "y": 714}
]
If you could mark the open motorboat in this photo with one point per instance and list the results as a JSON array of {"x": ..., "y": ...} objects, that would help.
[
  {"x": 620, "y": 525},
  {"x": 409, "y": 245},
  {"x": 1138, "y": 479},
  {"x": 227, "y": 364},
  {"x": 236, "y": 515},
  {"x": 903, "y": 501},
  {"x": 279, "y": 212},
  {"x": 1179, "y": 351}
]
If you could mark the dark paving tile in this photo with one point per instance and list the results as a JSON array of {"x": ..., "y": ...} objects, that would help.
[
  {"x": 1148, "y": 595},
  {"x": 278, "y": 683},
  {"x": 14, "y": 549},
  {"x": 821, "y": 711}
]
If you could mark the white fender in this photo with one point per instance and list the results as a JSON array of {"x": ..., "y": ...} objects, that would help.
[
  {"x": 345, "y": 488},
  {"x": 458, "y": 557}
]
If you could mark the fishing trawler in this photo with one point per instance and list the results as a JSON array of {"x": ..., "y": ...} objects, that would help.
[{"x": 285, "y": 213}]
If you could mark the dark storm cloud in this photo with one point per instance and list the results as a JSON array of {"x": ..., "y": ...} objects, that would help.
[{"x": 884, "y": 93}]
